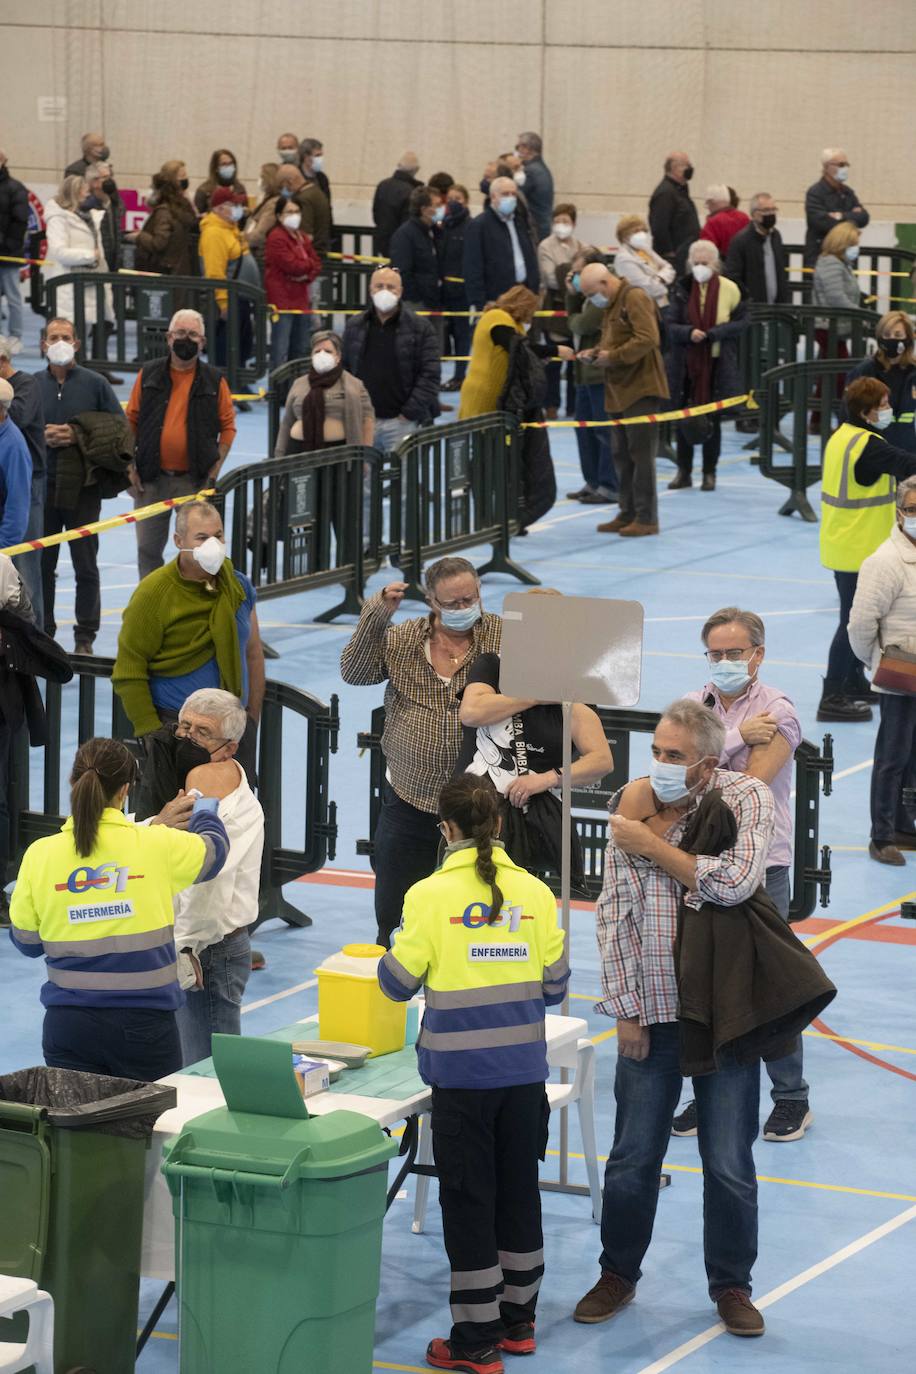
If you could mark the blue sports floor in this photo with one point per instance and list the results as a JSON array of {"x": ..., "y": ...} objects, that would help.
[{"x": 837, "y": 1209}]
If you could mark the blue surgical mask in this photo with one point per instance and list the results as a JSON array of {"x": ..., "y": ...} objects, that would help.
[
  {"x": 507, "y": 205},
  {"x": 599, "y": 301},
  {"x": 317, "y": 162},
  {"x": 668, "y": 781},
  {"x": 852, "y": 252},
  {"x": 575, "y": 282},
  {"x": 730, "y": 678},
  {"x": 439, "y": 214},
  {"x": 909, "y": 525},
  {"x": 286, "y": 192},
  {"x": 459, "y": 621},
  {"x": 885, "y": 418}
]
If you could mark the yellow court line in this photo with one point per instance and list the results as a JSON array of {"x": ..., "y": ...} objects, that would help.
[
  {"x": 604, "y": 1035},
  {"x": 162, "y": 1335},
  {"x": 768, "y": 1178},
  {"x": 851, "y": 1040},
  {"x": 815, "y": 940},
  {"x": 408, "y": 1368}
]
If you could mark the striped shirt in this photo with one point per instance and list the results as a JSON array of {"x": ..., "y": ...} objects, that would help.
[
  {"x": 423, "y": 734},
  {"x": 636, "y": 915}
]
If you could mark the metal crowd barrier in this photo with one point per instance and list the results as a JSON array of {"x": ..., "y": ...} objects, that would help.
[
  {"x": 334, "y": 516},
  {"x": 811, "y": 872},
  {"x": 294, "y": 725},
  {"x": 876, "y": 262},
  {"x": 299, "y": 522},
  {"x": 142, "y": 308},
  {"x": 795, "y": 389}
]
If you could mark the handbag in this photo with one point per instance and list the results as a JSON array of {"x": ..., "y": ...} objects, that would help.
[
  {"x": 897, "y": 671},
  {"x": 533, "y": 835}
]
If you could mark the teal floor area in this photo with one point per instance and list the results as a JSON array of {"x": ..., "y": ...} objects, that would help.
[{"x": 837, "y": 1209}]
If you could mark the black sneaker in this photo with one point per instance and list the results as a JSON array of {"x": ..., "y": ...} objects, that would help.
[
  {"x": 788, "y": 1120},
  {"x": 685, "y": 1123}
]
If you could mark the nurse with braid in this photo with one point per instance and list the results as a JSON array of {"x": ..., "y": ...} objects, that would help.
[{"x": 481, "y": 936}]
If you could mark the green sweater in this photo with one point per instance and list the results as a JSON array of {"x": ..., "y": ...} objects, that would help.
[{"x": 171, "y": 626}]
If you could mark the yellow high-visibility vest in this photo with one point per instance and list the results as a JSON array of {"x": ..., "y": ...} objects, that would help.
[{"x": 854, "y": 519}]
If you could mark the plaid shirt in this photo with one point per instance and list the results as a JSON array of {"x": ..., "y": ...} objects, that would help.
[
  {"x": 637, "y": 909},
  {"x": 422, "y": 736}
]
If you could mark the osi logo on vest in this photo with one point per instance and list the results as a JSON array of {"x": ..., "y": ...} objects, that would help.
[{"x": 107, "y": 875}]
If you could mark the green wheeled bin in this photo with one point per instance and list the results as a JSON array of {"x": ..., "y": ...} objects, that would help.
[
  {"x": 278, "y": 1231},
  {"x": 72, "y": 1162}
]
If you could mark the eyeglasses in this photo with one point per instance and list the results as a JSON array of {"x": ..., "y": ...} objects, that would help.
[
  {"x": 187, "y": 334},
  {"x": 908, "y": 510},
  {"x": 733, "y": 655},
  {"x": 199, "y": 733},
  {"x": 463, "y": 603}
]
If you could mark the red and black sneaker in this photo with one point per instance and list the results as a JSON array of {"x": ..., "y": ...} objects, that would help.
[
  {"x": 440, "y": 1355},
  {"x": 519, "y": 1339}
]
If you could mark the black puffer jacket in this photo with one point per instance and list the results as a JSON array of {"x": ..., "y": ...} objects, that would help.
[
  {"x": 26, "y": 653},
  {"x": 389, "y": 207},
  {"x": 418, "y": 361},
  {"x": 14, "y": 215},
  {"x": 415, "y": 253}
]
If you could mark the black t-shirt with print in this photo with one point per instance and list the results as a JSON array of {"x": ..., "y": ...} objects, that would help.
[{"x": 489, "y": 749}]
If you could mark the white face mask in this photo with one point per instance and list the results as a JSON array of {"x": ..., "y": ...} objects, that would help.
[
  {"x": 852, "y": 253},
  {"x": 289, "y": 155},
  {"x": 317, "y": 162},
  {"x": 641, "y": 240},
  {"x": 701, "y": 272},
  {"x": 211, "y": 554},
  {"x": 563, "y": 231},
  {"x": 519, "y": 177},
  {"x": 61, "y": 353},
  {"x": 384, "y": 300},
  {"x": 227, "y": 173},
  {"x": 842, "y": 174},
  {"x": 292, "y": 221},
  {"x": 885, "y": 417},
  {"x": 322, "y": 361}
]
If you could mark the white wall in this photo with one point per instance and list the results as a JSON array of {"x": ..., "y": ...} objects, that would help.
[{"x": 753, "y": 89}]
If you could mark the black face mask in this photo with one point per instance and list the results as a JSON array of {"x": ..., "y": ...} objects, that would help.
[
  {"x": 184, "y": 183},
  {"x": 189, "y": 755},
  {"x": 185, "y": 349},
  {"x": 893, "y": 348},
  {"x": 484, "y": 185},
  {"x": 104, "y": 153},
  {"x": 768, "y": 221},
  {"x": 688, "y": 173},
  {"x": 109, "y": 186}
]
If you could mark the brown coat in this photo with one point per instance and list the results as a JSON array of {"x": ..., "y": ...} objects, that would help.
[
  {"x": 168, "y": 240},
  {"x": 630, "y": 336},
  {"x": 316, "y": 215}
]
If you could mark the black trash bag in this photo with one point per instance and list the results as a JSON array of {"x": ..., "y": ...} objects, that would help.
[{"x": 74, "y": 1100}]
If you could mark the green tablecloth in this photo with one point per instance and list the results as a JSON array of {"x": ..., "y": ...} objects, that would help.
[{"x": 391, "y": 1075}]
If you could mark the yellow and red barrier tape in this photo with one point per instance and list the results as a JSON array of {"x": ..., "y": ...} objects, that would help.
[
  {"x": 687, "y": 413},
  {"x": 102, "y": 526}
]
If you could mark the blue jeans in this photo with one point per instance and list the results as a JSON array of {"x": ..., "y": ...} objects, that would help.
[
  {"x": 727, "y": 1101},
  {"x": 290, "y": 337},
  {"x": 595, "y": 457},
  {"x": 28, "y": 565},
  {"x": 11, "y": 289},
  {"x": 843, "y": 668},
  {"x": 786, "y": 1074},
  {"x": 216, "y": 1008},
  {"x": 389, "y": 433}
]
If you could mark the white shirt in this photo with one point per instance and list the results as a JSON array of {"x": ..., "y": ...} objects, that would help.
[{"x": 207, "y": 912}]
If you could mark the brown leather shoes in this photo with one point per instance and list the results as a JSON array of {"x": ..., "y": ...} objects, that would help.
[
  {"x": 886, "y": 854},
  {"x": 614, "y": 526},
  {"x": 605, "y": 1300},
  {"x": 636, "y": 530},
  {"x": 739, "y": 1314}
]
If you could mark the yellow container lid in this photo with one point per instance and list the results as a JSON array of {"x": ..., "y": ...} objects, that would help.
[{"x": 353, "y": 961}]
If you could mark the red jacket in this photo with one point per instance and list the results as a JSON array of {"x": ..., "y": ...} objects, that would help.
[
  {"x": 286, "y": 257},
  {"x": 722, "y": 227}
]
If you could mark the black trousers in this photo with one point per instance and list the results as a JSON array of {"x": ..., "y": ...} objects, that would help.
[
  {"x": 84, "y": 554},
  {"x": 120, "y": 1041},
  {"x": 406, "y": 849},
  {"x": 711, "y": 447},
  {"x": 843, "y": 668},
  {"x": 894, "y": 768},
  {"x": 486, "y": 1144}
]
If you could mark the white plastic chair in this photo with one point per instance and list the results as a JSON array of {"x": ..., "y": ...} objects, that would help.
[
  {"x": 580, "y": 1060},
  {"x": 21, "y": 1295}
]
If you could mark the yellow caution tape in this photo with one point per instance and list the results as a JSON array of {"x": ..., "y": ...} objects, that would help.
[
  {"x": 102, "y": 526},
  {"x": 685, "y": 414}
]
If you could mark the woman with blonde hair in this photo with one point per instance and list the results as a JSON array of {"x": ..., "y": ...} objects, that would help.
[
  {"x": 894, "y": 364},
  {"x": 836, "y": 287},
  {"x": 637, "y": 262},
  {"x": 75, "y": 245},
  {"x": 506, "y": 373}
]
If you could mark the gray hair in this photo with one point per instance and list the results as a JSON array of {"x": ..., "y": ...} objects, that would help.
[
  {"x": 222, "y": 707},
  {"x": 9, "y": 346},
  {"x": 904, "y": 488},
  {"x": 731, "y": 615},
  {"x": 757, "y": 198},
  {"x": 832, "y": 155},
  {"x": 173, "y": 322},
  {"x": 184, "y": 513},
  {"x": 327, "y": 336},
  {"x": 706, "y": 244},
  {"x": 719, "y": 191},
  {"x": 447, "y": 567},
  {"x": 705, "y": 728},
  {"x": 532, "y": 141},
  {"x": 97, "y": 171}
]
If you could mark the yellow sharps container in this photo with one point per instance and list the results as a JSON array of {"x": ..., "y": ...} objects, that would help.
[{"x": 352, "y": 1006}]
